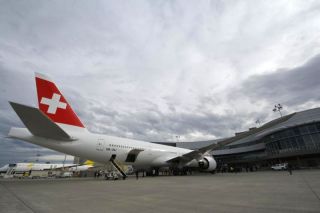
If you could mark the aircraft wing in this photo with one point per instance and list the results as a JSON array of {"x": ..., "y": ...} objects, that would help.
[
  {"x": 186, "y": 157},
  {"x": 196, "y": 154},
  {"x": 39, "y": 124}
]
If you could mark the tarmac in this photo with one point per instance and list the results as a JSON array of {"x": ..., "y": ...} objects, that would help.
[{"x": 269, "y": 191}]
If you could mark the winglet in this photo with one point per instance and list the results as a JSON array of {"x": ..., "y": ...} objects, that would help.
[{"x": 88, "y": 163}]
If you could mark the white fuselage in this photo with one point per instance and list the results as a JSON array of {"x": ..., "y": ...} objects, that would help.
[
  {"x": 101, "y": 148},
  {"x": 25, "y": 167}
]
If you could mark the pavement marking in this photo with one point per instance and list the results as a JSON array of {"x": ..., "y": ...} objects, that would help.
[
  {"x": 307, "y": 183},
  {"x": 17, "y": 197}
]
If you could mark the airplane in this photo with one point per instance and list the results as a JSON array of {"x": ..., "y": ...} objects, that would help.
[
  {"x": 26, "y": 167},
  {"x": 56, "y": 126}
]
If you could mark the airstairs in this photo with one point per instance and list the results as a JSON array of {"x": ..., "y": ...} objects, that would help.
[
  {"x": 117, "y": 166},
  {"x": 9, "y": 173}
]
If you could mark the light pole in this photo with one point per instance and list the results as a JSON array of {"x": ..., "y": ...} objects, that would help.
[
  {"x": 258, "y": 122},
  {"x": 64, "y": 161},
  {"x": 278, "y": 108},
  {"x": 38, "y": 155},
  {"x": 177, "y": 137}
]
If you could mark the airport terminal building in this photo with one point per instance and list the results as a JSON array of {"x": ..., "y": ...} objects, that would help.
[{"x": 293, "y": 138}]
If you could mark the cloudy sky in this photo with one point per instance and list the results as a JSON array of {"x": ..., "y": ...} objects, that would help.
[{"x": 153, "y": 70}]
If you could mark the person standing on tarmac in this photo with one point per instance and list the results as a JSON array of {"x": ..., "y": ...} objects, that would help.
[
  {"x": 137, "y": 175},
  {"x": 290, "y": 168}
]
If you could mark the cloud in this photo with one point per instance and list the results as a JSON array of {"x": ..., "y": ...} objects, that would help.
[
  {"x": 152, "y": 70},
  {"x": 289, "y": 86}
]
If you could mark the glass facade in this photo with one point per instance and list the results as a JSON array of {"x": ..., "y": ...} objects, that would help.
[{"x": 296, "y": 140}]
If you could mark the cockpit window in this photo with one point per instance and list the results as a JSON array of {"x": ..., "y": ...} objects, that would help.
[{"x": 12, "y": 165}]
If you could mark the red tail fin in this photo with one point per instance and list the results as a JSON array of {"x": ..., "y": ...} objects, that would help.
[{"x": 53, "y": 104}]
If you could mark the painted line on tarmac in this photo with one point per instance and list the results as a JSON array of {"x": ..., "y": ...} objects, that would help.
[
  {"x": 307, "y": 183},
  {"x": 18, "y": 198}
]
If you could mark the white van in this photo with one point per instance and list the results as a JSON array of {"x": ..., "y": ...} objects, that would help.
[{"x": 280, "y": 166}]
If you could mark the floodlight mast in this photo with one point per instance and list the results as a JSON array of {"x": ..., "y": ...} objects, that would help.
[
  {"x": 278, "y": 108},
  {"x": 258, "y": 122}
]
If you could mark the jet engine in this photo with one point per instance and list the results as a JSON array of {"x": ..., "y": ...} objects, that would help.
[{"x": 207, "y": 163}]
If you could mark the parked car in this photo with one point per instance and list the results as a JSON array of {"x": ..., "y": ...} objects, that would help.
[
  {"x": 280, "y": 166},
  {"x": 67, "y": 174}
]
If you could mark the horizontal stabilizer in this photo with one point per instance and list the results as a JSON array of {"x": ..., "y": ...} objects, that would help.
[{"x": 38, "y": 123}]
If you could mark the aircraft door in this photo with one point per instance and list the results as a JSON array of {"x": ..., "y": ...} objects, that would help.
[{"x": 132, "y": 155}]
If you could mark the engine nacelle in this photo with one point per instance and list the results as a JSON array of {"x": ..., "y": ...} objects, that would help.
[{"x": 207, "y": 163}]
